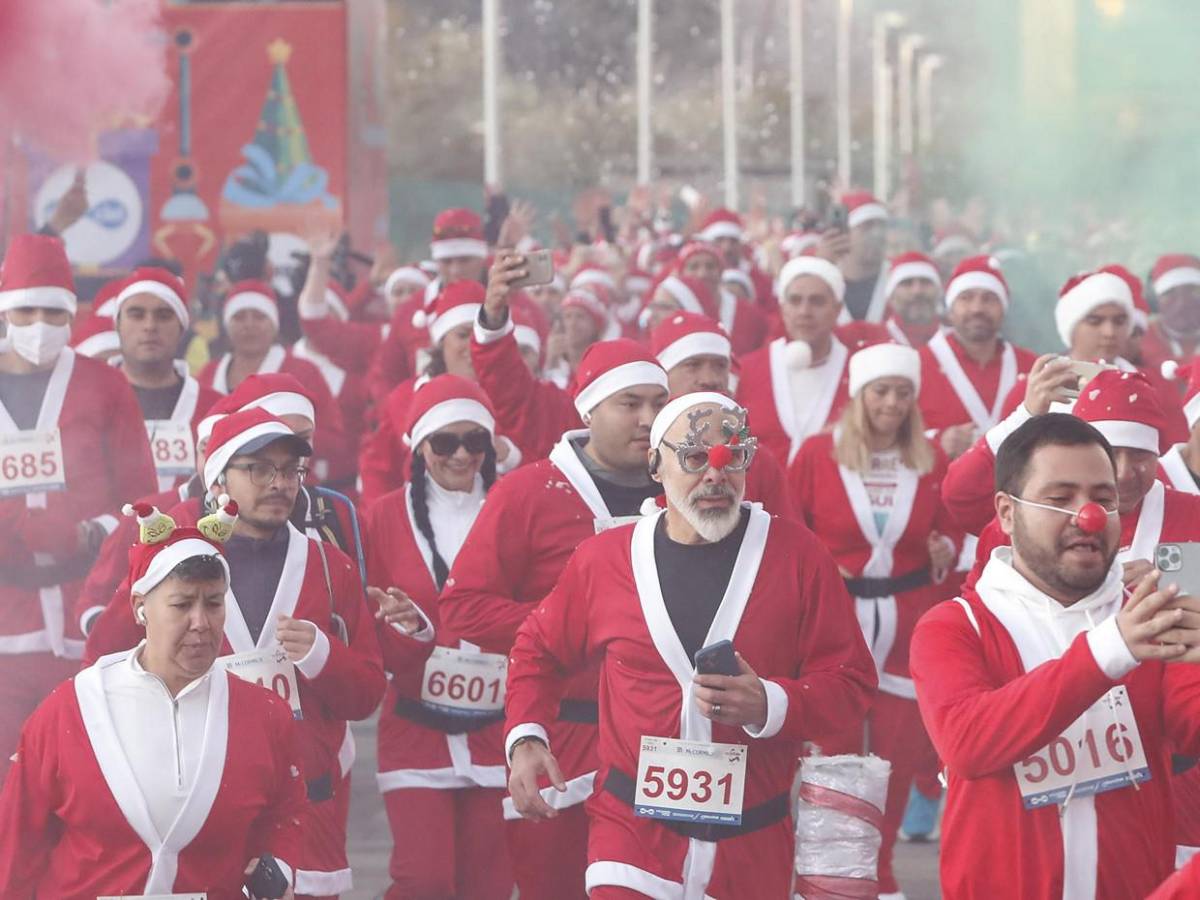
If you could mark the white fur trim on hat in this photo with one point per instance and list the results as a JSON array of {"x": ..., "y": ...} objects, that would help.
[
  {"x": 594, "y": 276},
  {"x": 405, "y": 275},
  {"x": 884, "y": 361},
  {"x": 698, "y": 343},
  {"x": 737, "y": 276},
  {"x": 250, "y": 300},
  {"x": 219, "y": 458},
  {"x": 1191, "y": 411},
  {"x": 336, "y": 304},
  {"x": 460, "y": 409},
  {"x": 462, "y": 314},
  {"x": 868, "y": 212},
  {"x": 451, "y": 248},
  {"x": 169, "y": 557},
  {"x": 1095, "y": 290},
  {"x": 905, "y": 271},
  {"x": 285, "y": 403},
  {"x": 527, "y": 336},
  {"x": 38, "y": 297},
  {"x": 617, "y": 379},
  {"x": 722, "y": 229},
  {"x": 156, "y": 289},
  {"x": 975, "y": 281},
  {"x": 684, "y": 295},
  {"x": 103, "y": 342},
  {"x": 1174, "y": 278},
  {"x": 811, "y": 265},
  {"x": 677, "y": 407},
  {"x": 1123, "y": 433},
  {"x": 205, "y": 428}
]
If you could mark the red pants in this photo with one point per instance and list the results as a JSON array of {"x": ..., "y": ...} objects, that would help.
[
  {"x": 25, "y": 680},
  {"x": 447, "y": 844},
  {"x": 550, "y": 857}
]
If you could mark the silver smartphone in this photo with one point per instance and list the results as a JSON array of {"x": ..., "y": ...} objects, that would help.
[
  {"x": 540, "y": 266},
  {"x": 1085, "y": 371},
  {"x": 1179, "y": 564}
]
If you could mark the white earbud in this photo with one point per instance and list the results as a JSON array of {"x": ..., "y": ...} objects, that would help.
[{"x": 140, "y": 615}]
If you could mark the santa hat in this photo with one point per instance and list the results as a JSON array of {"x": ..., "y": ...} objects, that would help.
[
  {"x": 609, "y": 367},
  {"x": 162, "y": 546},
  {"x": 910, "y": 265},
  {"x": 158, "y": 282},
  {"x": 691, "y": 294},
  {"x": 1141, "y": 307},
  {"x": 811, "y": 265},
  {"x": 243, "y": 433},
  {"x": 668, "y": 415},
  {"x": 593, "y": 275},
  {"x": 1124, "y": 407},
  {"x": 278, "y": 393},
  {"x": 884, "y": 361},
  {"x": 862, "y": 207},
  {"x": 590, "y": 304},
  {"x": 256, "y": 295},
  {"x": 722, "y": 223},
  {"x": 410, "y": 277},
  {"x": 954, "y": 239},
  {"x": 1174, "y": 270},
  {"x": 1083, "y": 293},
  {"x": 683, "y": 335},
  {"x": 458, "y": 232},
  {"x": 977, "y": 273},
  {"x": 457, "y": 304},
  {"x": 36, "y": 273},
  {"x": 104, "y": 303},
  {"x": 444, "y": 400},
  {"x": 693, "y": 249},
  {"x": 797, "y": 242},
  {"x": 737, "y": 276},
  {"x": 638, "y": 283},
  {"x": 525, "y": 328},
  {"x": 94, "y": 336},
  {"x": 1190, "y": 373},
  {"x": 655, "y": 256}
]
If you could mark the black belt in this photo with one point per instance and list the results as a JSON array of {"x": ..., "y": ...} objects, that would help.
[
  {"x": 445, "y": 720},
  {"x": 583, "y": 712},
  {"x": 872, "y": 588},
  {"x": 320, "y": 788},
  {"x": 754, "y": 819}
]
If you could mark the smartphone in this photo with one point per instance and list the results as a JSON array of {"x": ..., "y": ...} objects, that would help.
[
  {"x": 1085, "y": 372},
  {"x": 607, "y": 229},
  {"x": 839, "y": 217},
  {"x": 1179, "y": 564},
  {"x": 717, "y": 659},
  {"x": 267, "y": 881},
  {"x": 540, "y": 266}
]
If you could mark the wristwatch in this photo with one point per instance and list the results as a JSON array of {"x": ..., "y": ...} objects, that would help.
[{"x": 522, "y": 740}]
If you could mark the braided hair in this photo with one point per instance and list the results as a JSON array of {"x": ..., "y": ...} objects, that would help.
[{"x": 420, "y": 502}]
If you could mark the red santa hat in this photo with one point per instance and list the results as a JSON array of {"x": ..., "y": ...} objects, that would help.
[
  {"x": 1124, "y": 407},
  {"x": 693, "y": 249},
  {"x": 797, "y": 242},
  {"x": 638, "y": 283},
  {"x": 158, "y": 282},
  {"x": 691, "y": 294},
  {"x": 105, "y": 301},
  {"x": 444, "y": 400},
  {"x": 593, "y": 275},
  {"x": 162, "y": 546},
  {"x": 722, "y": 223},
  {"x": 590, "y": 304},
  {"x": 36, "y": 273},
  {"x": 977, "y": 273},
  {"x": 683, "y": 335},
  {"x": 410, "y": 278},
  {"x": 278, "y": 393},
  {"x": 1083, "y": 293},
  {"x": 609, "y": 367},
  {"x": 738, "y": 277},
  {"x": 910, "y": 265},
  {"x": 1190, "y": 373},
  {"x": 954, "y": 239},
  {"x": 1174, "y": 270},
  {"x": 243, "y": 433},
  {"x": 655, "y": 256},
  {"x": 458, "y": 232},
  {"x": 256, "y": 295},
  {"x": 457, "y": 304},
  {"x": 811, "y": 265},
  {"x": 884, "y": 361},
  {"x": 1141, "y": 307},
  {"x": 863, "y": 207},
  {"x": 95, "y": 336}
]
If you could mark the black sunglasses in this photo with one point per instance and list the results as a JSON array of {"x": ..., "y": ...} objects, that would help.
[{"x": 446, "y": 444}]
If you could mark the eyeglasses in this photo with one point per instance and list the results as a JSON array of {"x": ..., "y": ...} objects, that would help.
[
  {"x": 263, "y": 474},
  {"x": 444, "y": 443},
  {"x": 694, "y": 460}
]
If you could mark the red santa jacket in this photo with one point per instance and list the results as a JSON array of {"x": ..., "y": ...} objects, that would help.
[
  {"x": 787, "y": 613},
  {"x": 745, "y": 322},
  {"x": 957, "y": 390},
  {"x": 106, "y": 459},
  {"x": 73, "y": 825},
  {"x": 383, "y": 455},
  {"x": 1158, "y": 347},
  {"x": 412, "y": 754}
]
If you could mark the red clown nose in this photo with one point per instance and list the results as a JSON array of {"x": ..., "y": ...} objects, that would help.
[
  {"x": 1091, "y": 518},
  {"x": 719, "y": 456}
]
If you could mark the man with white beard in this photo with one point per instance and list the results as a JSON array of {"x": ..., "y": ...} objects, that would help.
[{"x": 677, "y": 779}]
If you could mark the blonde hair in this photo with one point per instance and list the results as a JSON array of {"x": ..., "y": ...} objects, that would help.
[{"x": 850, "y": 445}]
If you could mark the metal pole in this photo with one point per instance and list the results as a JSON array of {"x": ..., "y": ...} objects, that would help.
[
  {"x": 882, "y": 106},
  {"x": 925, "y": 69},
  {"x": 491, "y": 87},
  {"x": 796, "y": 90},
  {"x": 845, "y": 17},
  {"x": 908, "y": 51},
  {"x": 645, "y": 77},
  {"x": 729, "y": 104}
]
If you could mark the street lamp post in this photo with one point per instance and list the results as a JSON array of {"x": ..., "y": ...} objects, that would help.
[
  {"x": 925, "y": 69},
  {"x": 884, "y": 23},
  {"x": 844, "y": 22},
  {"x": 729, "y": 103},
  {"x": 645, "y": 76},
  {"x": 796, "y": 92},
  {"x": 491, "y": 88},
  {"x": 909, "y": 44}
]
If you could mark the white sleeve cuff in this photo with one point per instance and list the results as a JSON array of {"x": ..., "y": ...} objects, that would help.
[
  {"x": 314, "y": 660},
  {"x": 425, "y": 634},
  {"x": 512, "y": 460},
  {"x": 998, "y": 433},
  {"x": 89, "y": 617},
  {"x": 287, "y": 871},
  {"x": 1110, "y": 650},
  {"x": 777, "y": 706},
  {"x": 527, "y": 729},
  {"x": 107, "y": 522},
  {"x": 312, "y": 312},
  {"x": 484, "y": 335}
]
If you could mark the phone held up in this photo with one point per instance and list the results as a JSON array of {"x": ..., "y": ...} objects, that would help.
[
  {"x": 717, "y": 659},
  {"x": 540, "y": 267}
]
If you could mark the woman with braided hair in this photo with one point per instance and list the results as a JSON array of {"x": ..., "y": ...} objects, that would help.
[{"x": 441, "y": 762}]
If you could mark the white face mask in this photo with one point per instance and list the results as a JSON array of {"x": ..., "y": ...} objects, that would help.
[{"x": 39, "y": 343}]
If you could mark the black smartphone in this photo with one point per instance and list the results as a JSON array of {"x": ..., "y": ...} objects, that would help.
[
  {"x": 839, "y": 217},
  {"x": 267, "y": 881},
  {"x": 716, "y": 659},
  {"x": 607, "y": 229}
]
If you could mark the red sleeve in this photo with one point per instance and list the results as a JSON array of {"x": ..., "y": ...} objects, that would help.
[
  {"x": 109, "y": 570},
  {"x": 944, "y": 523},
  {"x": 115, "y": 629},
  {"x": 969, "y": 488},
  {"x": 393, "y": 362},
  {"x": 979, "y": 726},
  {"x": 380, "y": 469},
  {"x": 801, "y": 485},
  {"x": 350, "y": 345},
  {"x": 1183, "y": 885},
  {"x": 277, "y": 828},
  {"x": 125, "y": 445},
  {"x": 29, "y": 829},
  {"x": 1181, "y": 706},
  {"x": 772, "y": 486}
]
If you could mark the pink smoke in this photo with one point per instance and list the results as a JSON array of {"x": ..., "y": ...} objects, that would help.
[{"x": 72, "y": 67}]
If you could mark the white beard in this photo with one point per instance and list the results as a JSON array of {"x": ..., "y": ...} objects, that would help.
[{"x": 711, "y": 524}]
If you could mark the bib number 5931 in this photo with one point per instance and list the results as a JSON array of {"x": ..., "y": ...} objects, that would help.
[{"x": 690, "y": 781}]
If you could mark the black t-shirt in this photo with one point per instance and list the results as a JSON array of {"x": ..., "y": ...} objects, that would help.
[
  {"x": 693, "y": 579},
  {"x": 22, "y": 396},
  {"x": 622, "y": 499},
  {"x": 858, "y": 296},
  {"x": 158, "y": 403},
  {"x": 255, "y": 568}
]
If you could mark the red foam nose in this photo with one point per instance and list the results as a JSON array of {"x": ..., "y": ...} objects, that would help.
[
  {"x": 1092, "y": 518},
  {"x": 719, "y": 456}
]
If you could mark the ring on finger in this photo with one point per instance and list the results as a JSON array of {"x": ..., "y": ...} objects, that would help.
[{"x": 716, "y": 709}]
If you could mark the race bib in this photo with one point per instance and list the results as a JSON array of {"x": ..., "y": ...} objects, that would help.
[
  {"x": 688, "y": 781},
  {"x": 172, "y": 447},
  {"x": 607, "y": 522},
  {"x": 1100, "y": 751},
  {"x": 31, "y": 462},
  {"x": 269, "y": 668},
  {"x": 465, "y": 680}
]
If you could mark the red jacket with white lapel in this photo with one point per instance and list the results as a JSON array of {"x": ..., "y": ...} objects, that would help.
[
  {"x": 73, "y": 825},
  {"x": 195, "y": 400},
  {"x": 786, "y": 611},
  {"x": 107, "y": 461},
  {"x": 948, "y": 375}
]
